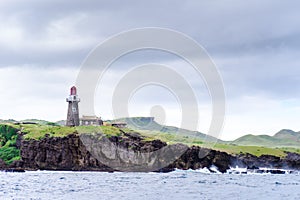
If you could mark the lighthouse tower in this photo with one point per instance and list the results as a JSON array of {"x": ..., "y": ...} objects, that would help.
[{"x": 73, "y": 112}]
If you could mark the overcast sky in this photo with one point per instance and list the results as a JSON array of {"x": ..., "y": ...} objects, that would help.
[{"x": 255, "y": 45}]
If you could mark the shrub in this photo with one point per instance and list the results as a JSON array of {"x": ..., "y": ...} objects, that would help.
[{"x": 8, "y": 138}]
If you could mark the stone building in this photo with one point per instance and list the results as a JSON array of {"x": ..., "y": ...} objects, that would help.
[{"x": 91, "y": 120}]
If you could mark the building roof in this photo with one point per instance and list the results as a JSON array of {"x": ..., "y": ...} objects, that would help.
[{"x": 86, "y": 117}]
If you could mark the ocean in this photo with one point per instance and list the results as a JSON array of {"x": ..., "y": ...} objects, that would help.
[{"x": 176, "y": 185}]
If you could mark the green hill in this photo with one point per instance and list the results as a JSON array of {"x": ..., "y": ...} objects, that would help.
[
  {"x": 3, "y": 121},
  {"x": 38, "y": 121},
  {"x": 284, "y": 138},
  {"x": 288, "y": 135}
]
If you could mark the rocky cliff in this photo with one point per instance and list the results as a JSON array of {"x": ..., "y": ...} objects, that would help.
[{"x": 131, "y": 152}]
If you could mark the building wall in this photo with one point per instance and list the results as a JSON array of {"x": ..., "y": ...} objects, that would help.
[{"x": 86, "y": 122}]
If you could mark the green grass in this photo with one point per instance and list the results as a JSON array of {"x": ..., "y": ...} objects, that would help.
[
  {"x": 9, "y": 154},
  {"x": 37, "y": 131},
  {"x": 106, "y": 130},
  {"x": 289, "y": 149},
  {"x": 254, "y": 150},
  {"x": 170, "y": 138},
  {"x": 284, "y": 138},
  {"x": 8, "y": 150}
]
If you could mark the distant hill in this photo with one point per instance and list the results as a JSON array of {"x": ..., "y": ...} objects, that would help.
[
  {"x": 38, "y": 121},
  {"x": 149, "y": 124},
  {"x": 61, "y": 122},
  {"x": 7, "y": 121},
  {"x": 284, "y": 138},
  {"x": 288, "y": 135}
]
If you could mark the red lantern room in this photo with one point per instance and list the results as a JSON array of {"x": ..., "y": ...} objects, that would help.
[{"x": 73, "y": 91}]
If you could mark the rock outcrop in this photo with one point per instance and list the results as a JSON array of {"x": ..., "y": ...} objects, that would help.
[
  {"x": 291, "y": 161},
  {"x": 2, "y": 164},
  {"x": 197, "y": 158}
]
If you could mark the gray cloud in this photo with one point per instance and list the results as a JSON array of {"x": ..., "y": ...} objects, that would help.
[{"x": 255, "y": 44}]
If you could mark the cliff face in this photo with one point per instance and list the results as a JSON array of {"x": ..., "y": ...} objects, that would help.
[
  {"x": 72, "y": 153},
  {"x": 198, "y": 158},
  {"x": 67, "y": 153},
  {"x": 291, "y": 161}
]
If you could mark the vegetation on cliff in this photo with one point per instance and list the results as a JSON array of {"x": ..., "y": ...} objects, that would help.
[
  {"x": 38, "y": 131},
  {"x": 284, "y": 138},
  {"x": 8, "y": 149},
  {"x": 145, "y": 127}
]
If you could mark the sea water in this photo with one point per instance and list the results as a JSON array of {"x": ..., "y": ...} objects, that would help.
[{"x": 121, "y": 185}]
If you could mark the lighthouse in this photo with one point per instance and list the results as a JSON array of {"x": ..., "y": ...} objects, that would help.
[{"x": 73, "y": 112}]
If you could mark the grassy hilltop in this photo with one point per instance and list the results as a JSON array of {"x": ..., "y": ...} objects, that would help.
[{"x": 284, "y": 138}]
